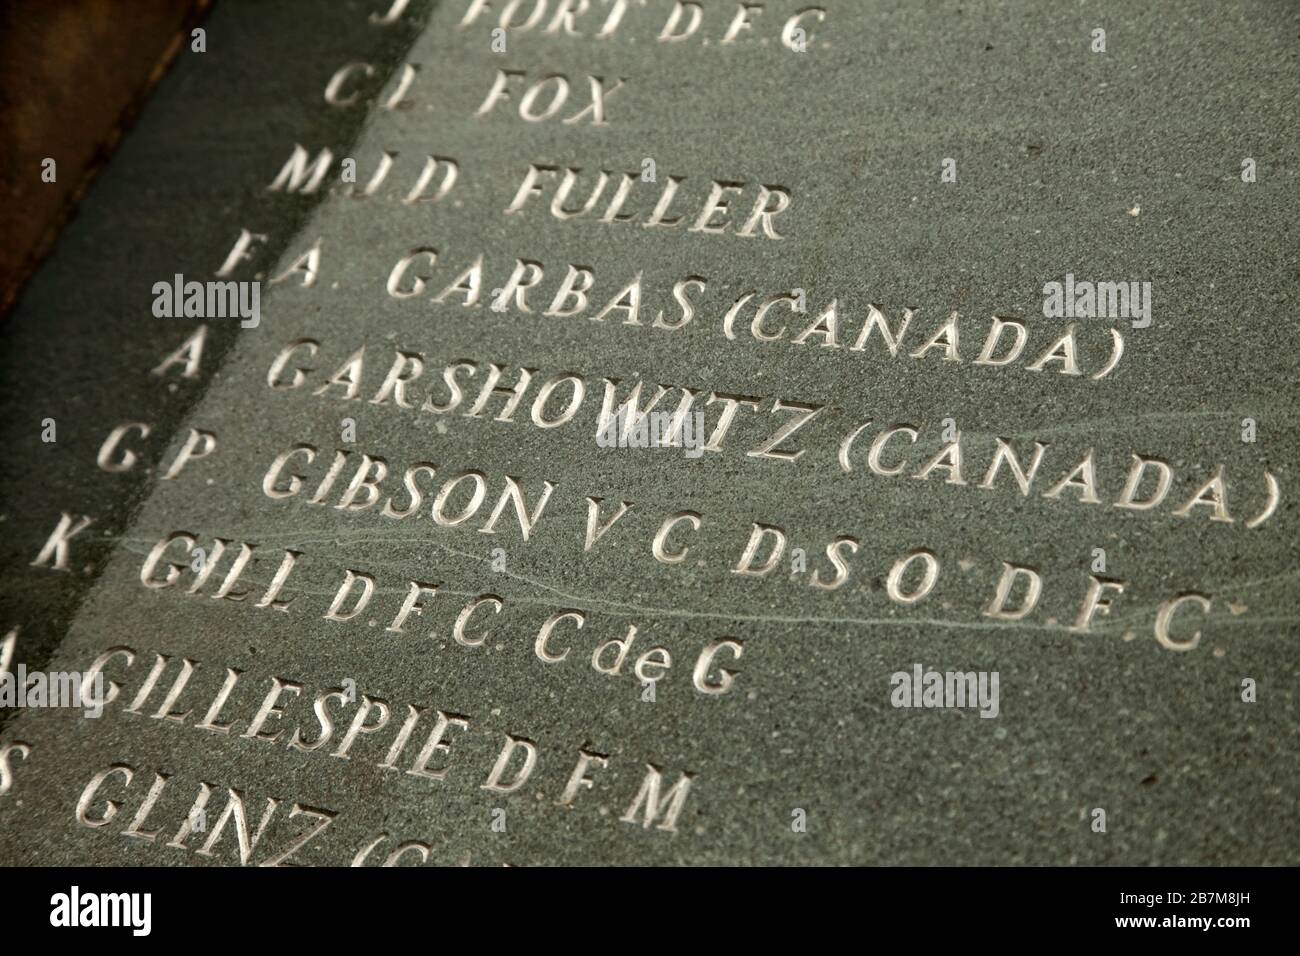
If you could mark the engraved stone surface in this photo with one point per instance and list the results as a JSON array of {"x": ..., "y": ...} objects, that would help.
[{"x": 973, "y": 329}]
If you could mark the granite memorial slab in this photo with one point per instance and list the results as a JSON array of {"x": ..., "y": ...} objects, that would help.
[{"x": 662, "y": 433}]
